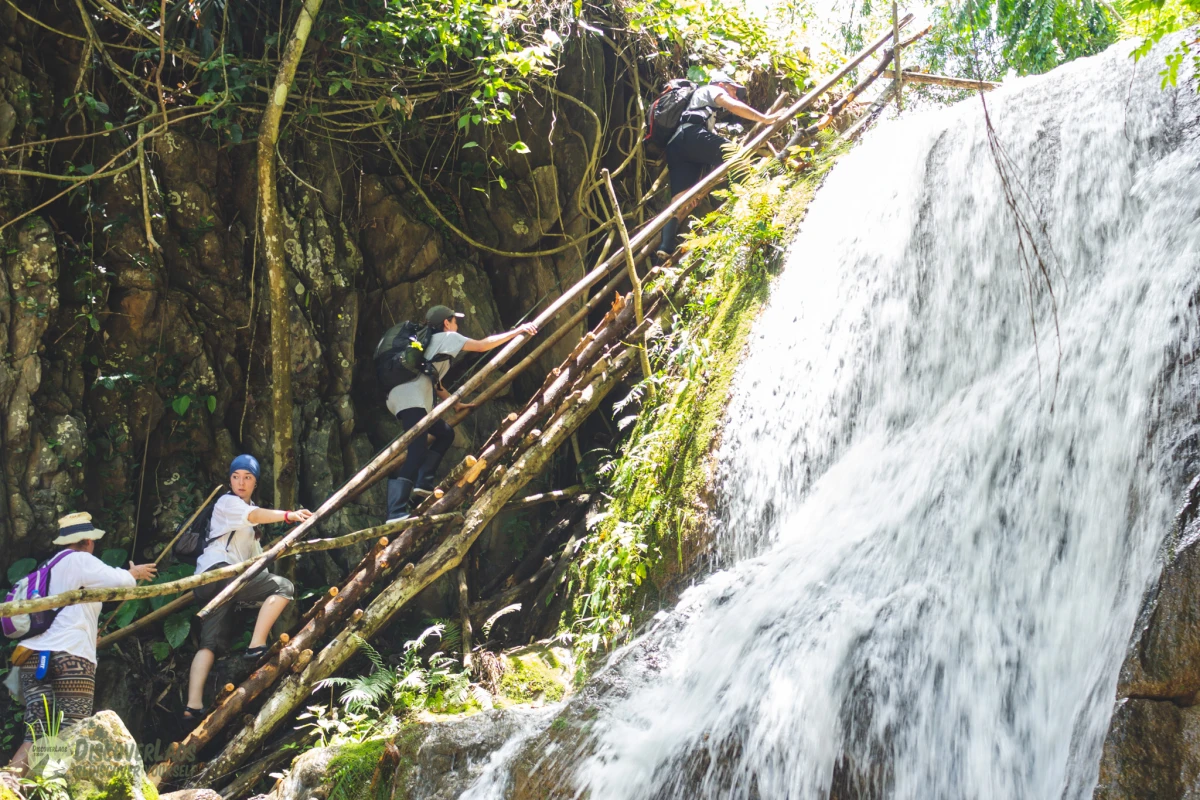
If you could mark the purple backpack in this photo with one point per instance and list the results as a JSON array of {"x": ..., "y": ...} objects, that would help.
[{"x": 35, "y": 584}]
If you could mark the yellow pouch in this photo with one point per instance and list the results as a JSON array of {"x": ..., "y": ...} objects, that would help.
[{"x": 21, "y": 655}]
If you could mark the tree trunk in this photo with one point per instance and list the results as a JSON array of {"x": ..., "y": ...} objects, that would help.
[{"x": 283, "y": 448}]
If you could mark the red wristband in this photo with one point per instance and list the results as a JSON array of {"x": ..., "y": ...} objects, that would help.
[{"x": 287, "y": 516}]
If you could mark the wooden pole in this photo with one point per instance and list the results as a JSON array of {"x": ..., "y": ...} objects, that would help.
[
  {"x": 77, "y": 596},
  {"x": 545, "y": 497},
  {"x": 896, "y": 55},
  {"x": 949, "y": 82},
  {"x": 372, "y": 471},
  {"x": 464, "y": 612},
  {"x": 182, "y": 529},
  {"x": 830, "y": 82},
  {"x": 634, "y": 281}
]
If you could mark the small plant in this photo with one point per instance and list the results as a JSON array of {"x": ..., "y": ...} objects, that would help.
[{"x": 372, "y": 703}]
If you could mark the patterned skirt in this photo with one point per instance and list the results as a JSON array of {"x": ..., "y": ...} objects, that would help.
[{"x": 67, "y": 690}]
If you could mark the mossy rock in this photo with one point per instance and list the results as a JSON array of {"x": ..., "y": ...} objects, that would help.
[
  {"x": 120, "y": 787},
  {"x": 537, "y": 673}
]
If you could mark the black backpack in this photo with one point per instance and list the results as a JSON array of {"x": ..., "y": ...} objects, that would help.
[
  {"x": 400, "y": 355},
  {"x": 666, "y": 110},
  {"x": 192, "y": 542}
]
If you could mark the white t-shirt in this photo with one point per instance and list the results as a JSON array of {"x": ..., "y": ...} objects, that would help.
[
  {"x": 418, "y": 393},
  {"x": 75, "y": 628},
  {"x": 231, "y": 513}
]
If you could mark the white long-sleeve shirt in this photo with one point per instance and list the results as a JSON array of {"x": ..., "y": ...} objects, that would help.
[
  {"x": 75, "y": 628},
  {"x": 231, "y": 513}
]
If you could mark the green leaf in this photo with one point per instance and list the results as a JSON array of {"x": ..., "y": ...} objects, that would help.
[
  {"x": 503, "y": 185},
  {"x": 336, "y": 87},
  {"x": 19, "y": 569},
  {"x": 95, "y": 323},
  {"x": 522, "y": 148},
  {"x": 181, "y": 404},
  {"x": 127, "y": 613},
  {"x": 211, "y": 402},
  {"x": 114, "y": 556},
  {"x": 160, "y": 651},
  {"x": 177, "y": 627},
  {"x": 469, "y": 145}
]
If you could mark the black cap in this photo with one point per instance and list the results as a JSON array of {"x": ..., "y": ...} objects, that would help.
[{"x": 437, "y": 315}]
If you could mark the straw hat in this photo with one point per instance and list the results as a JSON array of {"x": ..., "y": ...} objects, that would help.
[{"x": 76, "y": 527}]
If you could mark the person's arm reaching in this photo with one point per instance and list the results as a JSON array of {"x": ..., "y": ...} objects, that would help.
[
  {"x": 740, "y": 109},
  {"x": 497, "y": 339},
  {"x": 263, "y": 516}
]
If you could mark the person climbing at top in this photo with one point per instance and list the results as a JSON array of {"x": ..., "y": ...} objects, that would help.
[
  {"x": 695, "y": 148},
  {"x": 232, "y": 539},
  {"x": 58, "y": 666},
  {"x": 410, "y": 401}
]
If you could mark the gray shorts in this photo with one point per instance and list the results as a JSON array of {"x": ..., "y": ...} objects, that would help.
[{"x": 216, "y": 630}]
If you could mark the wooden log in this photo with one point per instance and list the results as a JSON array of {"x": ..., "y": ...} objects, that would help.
[
  {"x": 949, "y": 82},
  {"x": 566, "y": 517},
  {"x": 77, "y": 596},
  {"x": 293, "y": 690},
  {"x": 899, "y": 74},
  {"x": 531, "y": 500},
  {"x": 536, "y": 617},
  {"x": 179, "y": 603},
  {"x": 373, "y": 470},
  {"x": 464, "y": 613},
  {"x": 484, "y": 609}
]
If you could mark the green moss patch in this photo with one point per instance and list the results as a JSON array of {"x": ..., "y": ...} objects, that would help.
[{"x": 536, "y": 673}]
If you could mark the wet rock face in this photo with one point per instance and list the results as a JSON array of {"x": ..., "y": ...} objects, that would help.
[
  {"x": 1150, "y": 752},
  {"x": 132, "y": 369}
]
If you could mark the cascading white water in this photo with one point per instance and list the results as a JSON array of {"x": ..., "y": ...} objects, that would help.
[{"x": 944, "y": 534}]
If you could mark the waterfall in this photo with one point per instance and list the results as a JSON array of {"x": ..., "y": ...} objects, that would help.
[{"x": 939, "y": 528}]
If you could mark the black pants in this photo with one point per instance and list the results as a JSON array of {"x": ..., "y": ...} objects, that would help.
[
  {"x": 691, "y": 154},
  {"x": 420, "y": 465}
]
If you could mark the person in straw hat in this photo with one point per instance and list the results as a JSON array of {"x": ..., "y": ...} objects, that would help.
[{"x": 69, "y": 683}]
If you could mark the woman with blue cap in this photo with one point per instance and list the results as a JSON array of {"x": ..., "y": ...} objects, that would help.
[{"x": 231, "y": 540}]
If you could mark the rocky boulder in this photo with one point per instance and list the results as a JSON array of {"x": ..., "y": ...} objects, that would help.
[{"x": 99, "y": 759}]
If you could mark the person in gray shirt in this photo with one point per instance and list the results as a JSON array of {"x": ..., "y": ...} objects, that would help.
[
  {"x": 411, "y": 401},
  {"x": 695, "y": 148}
]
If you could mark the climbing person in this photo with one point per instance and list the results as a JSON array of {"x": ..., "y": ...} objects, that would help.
[
  {"x": 410, "y": 401},
  {"x": 58, "y": 666},
  {"x": 695, "y": 148},
  {"x": 232, "y": 539}
]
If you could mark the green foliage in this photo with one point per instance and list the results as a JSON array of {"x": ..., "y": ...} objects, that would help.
[
  {"x": 1154, "y": 19},
  {"x": 987, "y": 38},
  {"x": 662, "y": 468},
  {"x": 115, "y": 557},
  {"x": 20, "y": 568},
  {"x": 722, "y": 33},
  {"x": 373, "y": 702}
]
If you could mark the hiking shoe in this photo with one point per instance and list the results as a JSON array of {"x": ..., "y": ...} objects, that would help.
[{"x": 255, "y": 653}]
